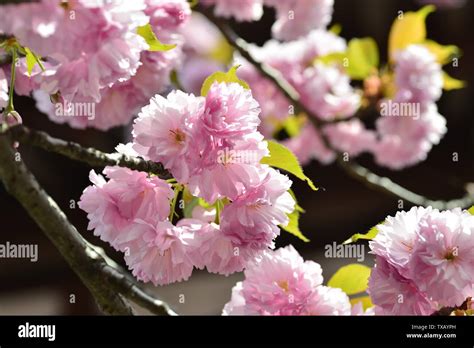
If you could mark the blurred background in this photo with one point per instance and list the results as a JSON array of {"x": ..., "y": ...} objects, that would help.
[{"x": 339, "y": 209}]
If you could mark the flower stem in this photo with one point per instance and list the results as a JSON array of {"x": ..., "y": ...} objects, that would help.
[
  {"x": 10, "y": 106},
  {"x": 177, "y": 190}
]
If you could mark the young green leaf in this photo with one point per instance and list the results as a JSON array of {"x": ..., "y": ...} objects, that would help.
[
  {"x": 332, "y": 58},
  {"x": 366, "y": 301},
  {"x": 297, "y": 206},
  {"x": 222, "y": 52},
  {"x": 336, "y": 29},
  {"x": 281, "y": 157},
  {"x": 352, "y": 279},
  {"x": 193, "y": 3},
  {"x": 471, "y": 210},
  {"x": 450, "y": 83},
  {"x": 363, "y": 58},
  {"x": 147, "y": 33},
  {"x": 31, "y": 60},
  {"x": 293, "y": 124},
  {"x": 443, "y": 53},
  {"x": 367, "y": 236},
  {"x": 219, "y": 76},
  {"x": 293, "y": 226},
  {"x": 409, "y": 28}
]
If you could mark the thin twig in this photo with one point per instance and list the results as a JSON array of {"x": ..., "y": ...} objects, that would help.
[
  {"x": 91, "y": 156},
  {"x": 353, "y": 169},
  {"x": 108, "y": 283}
]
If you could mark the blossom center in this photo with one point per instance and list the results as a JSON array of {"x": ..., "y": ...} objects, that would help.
[
  {"x": 451, "y": 254},
  {"x": 178, "y": 136},
  {"x": 283, "y": 284}
]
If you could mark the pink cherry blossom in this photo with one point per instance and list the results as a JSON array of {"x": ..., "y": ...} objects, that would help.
[
  {"x": 241, "y": 10},
  {"x": 309, "y": 145},
  {"x": 392, "y": 294},
  {"x": 296, "y": 18},
  {"x": 327, "y": 92},
  {"x": 227, "y": 169},
  {"x": 161, "y": 253},
  {"x": 113, "y": 206},
  {"x": 89, "y": 45},
  {"x": 281, "y": 283},
  {"x": 442, "y": 264},
  {"x": 350, "y": 137},
  {"x": 396, "y": 237},
  {"x": 162, "y": 132},
  {"x": 418, "y": 76},
  {"x": 167, "y": 15},
  {"x": 230, "y": 112},
  {"x": 252, "y": 219},
  {"x": 215, "y": 251},
  {"x": 424, "y": 261},
  {"x": 407, "y": 140}
]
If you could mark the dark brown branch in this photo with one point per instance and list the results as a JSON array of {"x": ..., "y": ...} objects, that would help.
[
  {"x": 91, "y": 156},
  {"x": 364, "y": 175},
  {"x": 108, "y": 283},
  {"x": 386, "y": 185}
]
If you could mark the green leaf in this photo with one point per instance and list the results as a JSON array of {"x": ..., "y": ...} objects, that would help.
[
  {"x": 367, "y": 236},
  {"x": 352, "y": 279},
  {"x": 147, "y": 33},
  {"x": 471, "y": 210},
  {"x": 31, "y": 60},
  {"x": 297, "y": 206},
  {"x": 281, "y": 157},
  {"x": 188, "y": 207},
  {"x": 193, "y": 3},
  {"x": 409, "y": 28},
  {"x": 444, "y": 54},
  {"x": 293, "y": 226},
  {"x": 293, "y": 124},
  {"x": 363, "y": 58},
  {"x": 332, "y": 58},
  {"x": 222, "y": 52},
  {"x": 366, "y": 301},
  {"x": 219, "y": 76},
  {"x": 336, "y": 29},
  {"x": 450, "y": 83}
]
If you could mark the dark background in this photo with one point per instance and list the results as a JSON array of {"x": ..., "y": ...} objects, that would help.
[{"x": 339, "y": 209}]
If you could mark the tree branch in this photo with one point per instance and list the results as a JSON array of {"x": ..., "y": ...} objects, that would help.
[
  {"x": 91, "y": 156},
  {"x": 362, "y": 174},
  {"x": 107, "y": 282},
  {"x": 386, "y": 185}
]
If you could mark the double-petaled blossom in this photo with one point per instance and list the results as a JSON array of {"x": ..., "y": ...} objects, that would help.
[
  {"x": 296, "y": 18},
  {"x": 424, "y": 261},
  {"x": 241, "y": 10},
  {"x": 95, "y": 57},
  {"x": 281, "y": 283},
  {"x": 113, "y": 206},
  {"x": 407, "y": 139}
]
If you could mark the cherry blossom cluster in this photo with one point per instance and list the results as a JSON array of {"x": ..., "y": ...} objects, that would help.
[
  {"x": 95, "y": 55},
  {"x": 405, "y": 139},
  {"x": 424, "y": 261},
  {"x": 281, "y": 283},
  {"x": 213, "y": 149},
  {"x": 398, "y": 140},
  {"x": 295, "y": 18}
]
